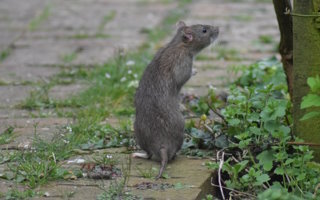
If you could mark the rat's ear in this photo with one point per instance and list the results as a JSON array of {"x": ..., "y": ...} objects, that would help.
[
  {"x": 180, "y": 24},
  {"x": 187, "y": 36}
]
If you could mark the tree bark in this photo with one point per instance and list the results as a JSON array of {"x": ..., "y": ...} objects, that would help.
[
  {"x": 306, "y": 59},
  {"x": 281, "y": 8}
]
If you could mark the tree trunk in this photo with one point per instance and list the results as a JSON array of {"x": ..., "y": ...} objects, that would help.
[
  {"x": 281, "y": 7},
  {"x": 306, "y": 59}
]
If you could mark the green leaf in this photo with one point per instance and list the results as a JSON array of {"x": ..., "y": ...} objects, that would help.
[
  {"x": 165, "y": 176},
  {"x": 310, "y": 100},
  {"x": 301, "y": 176},
  {"x": 263, "y": 178},
  {"x": 284, "y": 129},
  {"x": 314, "y": 83},
  {"x": 279, "y": 171},
  {"x": 310, "y": 115},
  {"x": 289, "y": 161},
  {"x": 179, "y": 186},
  {"x": 233, "y": 122},
  {"x": 255, "y": 130},
  {"x": 20, "y": 178},
  {"x": 266, "y": 159},
  {"x": 272, "y": 125},
  {"x": 221, "y": 141},
  {"x": 240, "y": 166},
  {"x": 9, "y": 175}
]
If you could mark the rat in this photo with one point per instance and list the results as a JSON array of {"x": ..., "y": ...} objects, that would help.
[{"x": 159, "y": 123}]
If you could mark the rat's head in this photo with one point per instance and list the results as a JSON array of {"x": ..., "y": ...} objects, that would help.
[{"x": 197, "y": 37}]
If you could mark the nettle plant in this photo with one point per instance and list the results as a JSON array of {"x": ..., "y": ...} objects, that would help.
[
  {"x": 312, "y": 100},
  {"x": 259, "y": 156}
]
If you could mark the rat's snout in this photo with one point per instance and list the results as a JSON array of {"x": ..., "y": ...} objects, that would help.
[{"x": 214, "y": 33}]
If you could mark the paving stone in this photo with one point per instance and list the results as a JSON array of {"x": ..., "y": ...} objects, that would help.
[
  {"x": 30, "y": 122},
  {"x": 81, "y": 189},
  {"x": 12, "y": 95},
  {"x": 190, "y": 173},
  {"x": 39, "y": 52},
  {"x": 13, "y": 113},
  {"x": 25, "y": 129},
  {"x": 53, "y": 39},
  {"x": 15, "y": 16},
  {"x": 21, "y": 74},
  {"x": 62, "y": 92}
]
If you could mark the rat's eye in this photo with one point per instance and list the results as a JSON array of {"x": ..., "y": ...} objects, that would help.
[{"x": 204, "y": 30}]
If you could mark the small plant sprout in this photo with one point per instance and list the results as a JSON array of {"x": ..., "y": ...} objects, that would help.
[{"x": 106, "y": 160}]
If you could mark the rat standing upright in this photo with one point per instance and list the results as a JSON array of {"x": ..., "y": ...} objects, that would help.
[{"x": 159, "y": 124}]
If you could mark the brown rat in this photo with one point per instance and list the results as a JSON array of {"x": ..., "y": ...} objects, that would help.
[{"x": 159, "y": 124}]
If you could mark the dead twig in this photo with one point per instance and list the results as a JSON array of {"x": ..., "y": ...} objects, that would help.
[
  {"x": 217, "y": 113},
  {"x": 315, "y": 191},
  {"x": 191, "y": 117},
  {"x": 304, "y": 143},
  {"x": 208, "y": 128},
  {"x": 219, "y": 172},
  {"x": 233, "y": 190}
]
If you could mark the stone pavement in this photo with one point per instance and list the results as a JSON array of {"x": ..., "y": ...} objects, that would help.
[{"x": 39, "y": 38}]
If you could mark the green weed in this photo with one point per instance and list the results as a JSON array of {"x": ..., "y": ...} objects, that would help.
[
  {"x": 15, "y": 194},
  {"x": 106, "y": 19},
  {"x": 7, "y": 135},
  {"x": 37, "y": 21},
  {"x": 5, "y": 54},
  {"x": 243, "y": 18},
  {"x": 204, "y": 57},
  {"x": 266, "y": 39},
  {"x": 86, "y": 36},
  {"x": 116, "y": 191},
  {"x": 147, "y": 173},
  {"x": 68, "y": 58},
  {"x": 227, "y": 54},
  {"x": 257, "y": 122}
]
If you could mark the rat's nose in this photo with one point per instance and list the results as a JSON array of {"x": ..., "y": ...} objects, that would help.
[
  {"x": 215, "y": 30},
  {"x": 214, "y": 33}
]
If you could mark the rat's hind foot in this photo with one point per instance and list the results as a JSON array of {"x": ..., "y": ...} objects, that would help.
[{"x": 141, "y": 155}]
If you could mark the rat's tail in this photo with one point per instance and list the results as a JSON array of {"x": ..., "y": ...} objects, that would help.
[{"x": 164, "y": 161}]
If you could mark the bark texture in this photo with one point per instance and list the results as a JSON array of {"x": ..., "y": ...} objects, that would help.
[
  {"x": 306, "y": 59},
  {"x": 281, "y": 8}
]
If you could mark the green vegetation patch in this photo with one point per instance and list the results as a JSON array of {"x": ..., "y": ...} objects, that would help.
[
  {"x": 37, "y": 21},
  {"x": 5, "y": 53},
  {"x": 7, "y": 135},
  {"x": 262, "y": 158}
]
